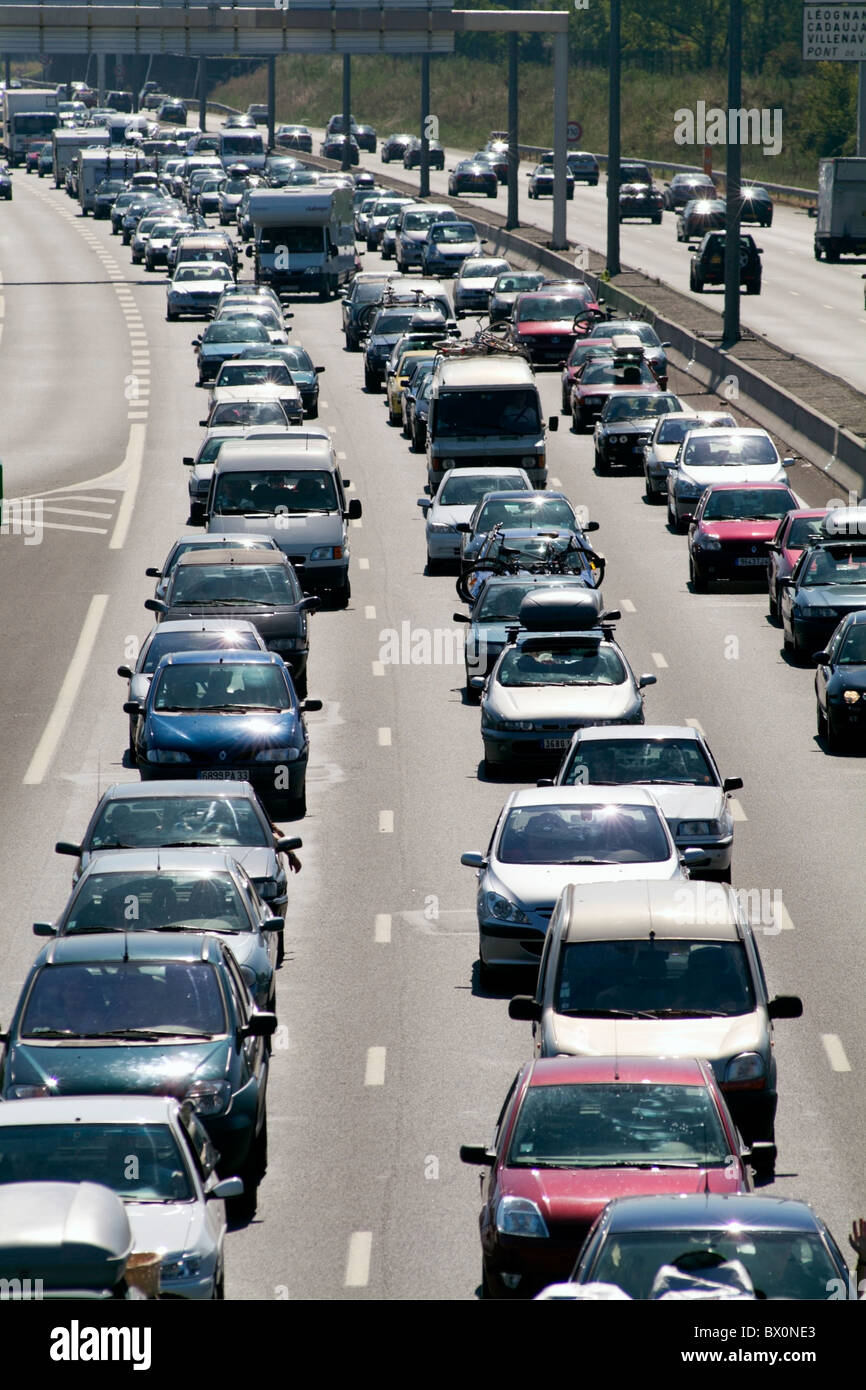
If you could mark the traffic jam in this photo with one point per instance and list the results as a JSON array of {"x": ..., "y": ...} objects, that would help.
[{"x": 630, "y": 1152}]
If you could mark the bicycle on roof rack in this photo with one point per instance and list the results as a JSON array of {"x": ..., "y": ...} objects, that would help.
[{"x": 555, "y": 560}]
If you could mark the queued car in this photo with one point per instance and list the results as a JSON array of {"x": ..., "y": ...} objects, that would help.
[
  {"x": 828, "y": 582},
  {"x": 469, "y": 176},
  {"x": 547, "y": 838},
  {"x": 224, "y": 339},
  {"x": 640, "y": 200},
  {"x": 541, "y": 547},
  {"x": 546, "y": 322},
  {"x": 412, "y": 154},
  {"x": 541, "y": 181},
  {"x": 684, "y": 188},
  {"x": 197, "y": 540},
  {"x": 796, "y": 531},
  {"x": 414, "y": 228},
  {"x": 376, "y": 218},
  {"x": 177, "y": 889},
  {"x": 530, "y": 507},
  {"x": 574, "y": 1133},
  {"x": 708, "y": 263},
  {"x": 5, "y": 182},
  {"x": 107, "y": 192},
  {"x": 159, "y": 240},
  {"x": 653, "y": 347},
  {"x": 661, "y": 448},
  {"x": 840, "y": 684},
  {"x": 732, "y": 529},
  {"x": 416, "y": 410},
  {"x": 582, "y": 350},
  {"x": 495, "y": 609},
  {"x": 756, "y": 205},
  {"x": 662, "y": 969},
  {"x": 506, "y": 288},
  {"x": 235, "y": 715},
  {"x": 677, "y": 764},
  {"x": 699, "y": 216},
  {"x": 447, "y": 245},
  {"x": 362, "y": 297},
  {"x": 389, "y": 323},
  {"x": 160, "y": 1013},
  {"x": 625, "y": 426},
  {"x": 601, "y": 378},
  {"x": 388, "y": 244},
  {"x": 299, "y": 364},
  {"x": 455, "y": 500},
  {"x": 402, "y": 366},
  {"x": 257, "y": 379},
  {"x": 708, "y": 456},
  {"x": 474, "y": 284},
  {"x": 154, "y": 1154},
  {"x": 194, "y": 289}
]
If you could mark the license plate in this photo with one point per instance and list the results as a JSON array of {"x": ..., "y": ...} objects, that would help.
[
  {"x": 751, "y": 560},
  {"x": 556, "y": 743},
  {"x": 224, "y": 774}
]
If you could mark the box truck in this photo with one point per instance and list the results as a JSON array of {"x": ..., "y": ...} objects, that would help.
[
  {"x": 841, "y": 223},
  {"x": 68, "y": 143},
  {"x": 28, "y": 114},
  {"x": 304, "y": 238}
]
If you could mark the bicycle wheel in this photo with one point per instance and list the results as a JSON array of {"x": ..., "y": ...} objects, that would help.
[{"x": 486, "y": 568}]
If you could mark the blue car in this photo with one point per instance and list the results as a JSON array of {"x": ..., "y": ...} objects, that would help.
[
  {"x": 828, "y": 583},
  {"x": 840, "y": 684},
  {"x": 232, "y": 716}
]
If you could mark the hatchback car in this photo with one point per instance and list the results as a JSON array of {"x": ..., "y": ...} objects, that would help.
[
  {"x": 541, "y": 182},
  {"x": 448, "y": 245},
  {"x": 733, "y": 526},
  {"x": 640, "y": 200},
  {"x": 828, "y": 583},
  {"x": 495, "y": 610},
  {"x": 531, "y": 508},
  {"x": 539, "y": 549},
  {"x": 546, "y": 322},
  {"x": 194, "y": 288},
  {"x": 709, "y": 456},
  {"x": 653, "y": 347},
  {"x": 685, "y": 187},
  {"x": 699, "y": 216},
  {"x": 435, "y": 154},
  {"x": 474, "y": 284},
  {"x": 660, "y": 450},
  {"x": 548, "y": 837},
  {"x": 756, "y": 205},
  {"x": 159, "y": 1014},
  {"x": 662, "y": 969},
  {"x": 298, "y": 362},
  {"x": 600, "y": 378},
  {"x": 505, "y": 290},
  {"x": 840, "y": 684},
  {"x": 575, "y": 1132},
  {"x": 795, "y": 532},
  {"x": 456, "y": 498}
]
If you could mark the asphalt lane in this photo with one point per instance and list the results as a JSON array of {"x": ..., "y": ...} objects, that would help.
[{"x": 365, "y": 1196}]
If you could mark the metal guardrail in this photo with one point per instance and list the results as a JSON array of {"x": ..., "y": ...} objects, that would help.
[{"x": 783, "y": 190}]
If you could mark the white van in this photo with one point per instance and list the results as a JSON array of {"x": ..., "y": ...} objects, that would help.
[{"x": 290, "y": 489}]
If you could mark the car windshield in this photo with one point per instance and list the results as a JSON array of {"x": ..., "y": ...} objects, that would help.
[
  {"x": 283, "y": 490},
  {"x": 624, "y": 407},
  {"x": 838, "y": 564},
  {"x": 454, "y": 232},
  {"x": 116, "y": 999},
  {"x": 716, "y": 450},
  {"x": 516, "y": 284},
  {"x": 235, "y": 186},
  {"x": 546, "y": 307},
  {"x": 664, "y": 977},
  {"x": 367, "y": 292},
  {"x": 608, "y": 373},
  {"x": 238, "y": 374},
  {"x": 460, "y": 491},
  {"x": 563, "y": 664},
  {"x": 248, "y": 413},
  {"x": 479, "y": 270},
  {"x": 147, "y": 901},
  {"x": 615, "y": 762},
  {"x": 230, "y": 584},
  {"x": 251, "y": 310},
  {"x": 152, "y": 822},
  {"x": 227, "y": 686},
  {"x": 674, "y": 431},
  {"x": 419, "y": 221},
  {"x": 163, "y": 229},
  {"x": 586, "y": 834},
  {"x": 396, "y": 322},
  {"x": 604, "y": 1125},
  {"x": 166, "y": 644},
  {"x": 753, "y": 504},
  {"x": 780, "y": 1264},
  {"x": 853, "y": 649},
  {"x": 212, "y": 270},
  {"x": 525, "y": 511},
  {"x": 472, "y": 412},
  {"x": 501, "y": 602},
  {"x": 140, "y": 1162}
]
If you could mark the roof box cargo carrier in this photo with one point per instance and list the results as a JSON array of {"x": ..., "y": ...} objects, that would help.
[{"x": 557, "y": 610}]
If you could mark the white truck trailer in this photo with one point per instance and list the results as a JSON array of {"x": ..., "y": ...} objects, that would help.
[{"x": 840, "y": 228}]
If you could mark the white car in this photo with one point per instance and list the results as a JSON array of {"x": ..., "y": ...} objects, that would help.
[
  {"x": 154, "y": 1153},
  {"x": 201, "y": 466},
  {"x": 456, "y": 498},
  {"x": 660, "y": 452},
  {"x": 195, "y": 287},
  {"x": 709, "y": 456},
  {"x": 548, "y": 837},
  {"x": 257, "y": 381},
  {"x": 474, "y": 283}
]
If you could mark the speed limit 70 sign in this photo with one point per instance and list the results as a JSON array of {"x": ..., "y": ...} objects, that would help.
[{"x": 573, "y": 132}]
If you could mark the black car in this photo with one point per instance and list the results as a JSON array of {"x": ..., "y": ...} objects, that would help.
[
  {"x": 625, "y": 426},
  {"x": 684, "y": 187},
  {"x": 333, "y": 147},
  {"x": 294, "y": 137},
  {"x": 495, "y": 160},
  {"x": 172, "y": 112},
  {"x": 390, "y": 323},
  {"x": 640, "y": 200},
  {"x": 5, "y": 183},
  {"x": 756, "y": 205},
  {"x": 701, "y": 215},
  {"x": 106, "y": 195},
  {"x": 582, "y": 165},
  {"x": 394, "y": 147},
  {"x": 412, "y": 154},
  {"x": 471, "y": 177},
  {"x": 359, "y": 306},
  {"x": 828, "y": 583},
  {"x": 541, "y": 182},
  {"x": 633, "y": 171},
  {"x": 840, "y": 684},
  {"x": 255, "y": 584},
  {"x": 708, "y": 263},
  {"x": 365, "y": 136}
]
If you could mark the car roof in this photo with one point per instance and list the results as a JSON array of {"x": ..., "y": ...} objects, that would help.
[
  {"x": 574, "y": 1071},
  {"x": 751, "y": 1211},
  {"x": 62, "y": 1110},
  {"x": 485, "y": 372},
  {"x": 629, "y": 909},
  {"x": 750, "y": 487},
  {"x": 233, "y": 557},
  {"x": 584, "y": 795},
  {"x": 638, "y": 731},
  {"x": 180, "y": 787},
  {"x": 159, "y": 860},
  {"x": 298, "y": 453},
  {"x": 221, "y": 625},
  {"x": 248, "y": 655},
  {"x": 80, "y": 948},
  {"x": 520, "y": 495}
]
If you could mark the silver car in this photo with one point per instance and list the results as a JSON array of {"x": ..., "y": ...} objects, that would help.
[
  {"x": 196, "y": 890},
  {"x": 195, "y": 287},
  {"x": 456, "y": 499},
  {"x": 661, "y": 451},
  {"x": 676, "y": 763},
  {"x": 709, "y": 456},
  {"x": 548, "y": 837},
  {"x": 474, "y": 284},
  {"x": 201, "y": 465},
  {"x": 649, "y": 969}
]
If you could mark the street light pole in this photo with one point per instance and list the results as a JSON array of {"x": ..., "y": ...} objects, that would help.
[
  {"x": 424, "y": 188},
  {"x": 731, "y": 334},
  {"x": 613, "y": 141},
  {"x": 511, "y": 220},
  {"x": 272, "y": 99},
  {"x": 347, "y": 110}
]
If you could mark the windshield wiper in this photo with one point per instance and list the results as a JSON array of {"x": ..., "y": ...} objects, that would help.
[
  {"x": 606, "y": 1013},
  {"x": 587, "y": 859},
  {"x": 52, "y": 1033},
  {"x": 150, "y": 1034},
  {"x": 687, "y": 1013}
]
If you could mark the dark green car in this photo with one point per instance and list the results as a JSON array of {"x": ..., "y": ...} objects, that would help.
[{"x": 124, "y": 1012}]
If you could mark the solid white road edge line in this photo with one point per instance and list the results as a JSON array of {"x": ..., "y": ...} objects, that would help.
[{"x": 53, "y": 732}]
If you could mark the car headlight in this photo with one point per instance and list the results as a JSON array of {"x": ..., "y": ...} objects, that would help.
[
  {"x": 326, "y": 552},
  {"x": 439, "y": 528},
  {"x": 180, "y": 1267},
  {"x": 851, "y": 697},
  {"x": 704, "y": 828},
  {"x": 29, "y": 1092},
  {"x": 687, "y": 489},
  {"x": 592, "y": 400},
  {"x": 278, "y": 755},
  {"x": 490, "y": 721},
  {"x": 816, "y": 612},
  {"x": 623, "y": 439},
  {"x": 167, "y": 755},
  {"x": 286, "y": 644},
  {"x": 449, "y": 463},
  {"x": 518, "y": 1216},
  {"x": 531, "y": 461},
  {"x": 495, "y": 905},
  {"x": 209, "y": 1097},
  {"x": 747, "y": 1071},
  {"x": 708, "y": 543}
]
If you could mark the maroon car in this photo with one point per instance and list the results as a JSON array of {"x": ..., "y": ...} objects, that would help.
[
  {"x": 547, "y": 321},
  {"x": 793, "y": 535},
  {"x": 602, "y": 377},
  {"x": 574, "y": 1133},
  {"x": 732, "y": 529}
]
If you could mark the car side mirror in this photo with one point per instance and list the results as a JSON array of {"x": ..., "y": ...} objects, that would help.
[
  {"x": 310, "y": 604},
  {"x": 286, "y": 843},
  {"x": 545, "y": 782},
  {"x": 694, "y": 858},
  {"x": 785, "y": 581},
  {"x": 424, "y": 503},
  {"x": 646, "y": 680},
  {"x": 44, "y": 929},
  {"x": 461, "y": 617},
  {"x": 126, "y": 672},
  {"x": 272, "y": 924},
  {"x": 355, "y": 510},
  {"x": 195, "y": 342},
  {"x": 152, "y": 572},
  {"x": 663, "y": 344},
  {"x": 761, "y": 1155},
  {"x": 553, "y": 424},
  {"x": 66, "y": 847},
  {"x": 590, "y": 526},
  {"x": 463, "y": 527},
  {"x": 260, "y": 1025},
  {"x": 155, "y": 605},
  {"x": 477, "y": 682},
  {"x": 472, "y": 859},
  {"x": 248, "y": 251},
  {"x": 732, "y": 784},
  {"x": 310, "y": 706},
  {"x": 318, "y": 370},
  {"x": 477, "y": 1154},
  {"x": 132, "y": 707},
  {"x": 225, "y": 1189},
  {"x": 821, "y": 658},
  {"x": 789, "y": 460},
  {"x": 203, "y": 424},
  {"x": 524, "y": 1008},
  {"x": 785, "y": 1006}
]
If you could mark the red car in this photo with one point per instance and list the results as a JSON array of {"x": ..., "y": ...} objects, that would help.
[
  {"x": 732, "y": 529},
  {"x": 601, "y": 378},
  {"x": 574, "y": 1133},
  {"x": 794, "y": 532},
  {"x": 547, "y": 321}
]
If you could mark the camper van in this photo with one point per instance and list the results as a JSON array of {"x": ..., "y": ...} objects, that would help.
[
  {"x": 304, "y": 238},
  {"x": 105, "y": 163},
  {"x": 66, "y": 144}
]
